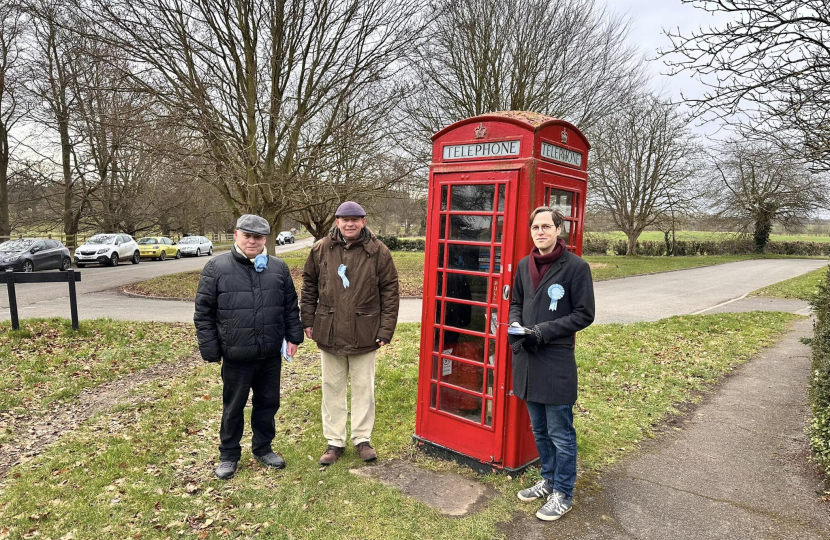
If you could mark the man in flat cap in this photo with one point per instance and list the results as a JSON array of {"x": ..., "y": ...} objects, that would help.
[
  {"x": 246, "y": 306},
  {"x": 350, "y": 308}
]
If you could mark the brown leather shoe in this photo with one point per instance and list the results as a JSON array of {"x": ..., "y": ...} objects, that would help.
[
  {"x": 331, "y": 455},
  {"x": 367, "y": 453}
]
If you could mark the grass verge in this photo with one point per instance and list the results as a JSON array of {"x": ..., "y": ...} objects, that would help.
[
  {"x": 803, "y": 287},
  {"x": 46, "y": 361},
  {"x": 145, "y": 470},
  {"x": 411, "y": 271}
]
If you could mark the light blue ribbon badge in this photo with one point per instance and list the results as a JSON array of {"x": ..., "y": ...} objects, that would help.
[
  {"x": 341, "y": 271},
  {"x": 260, "y": 262},
  {"x": 556, "y": 292}
]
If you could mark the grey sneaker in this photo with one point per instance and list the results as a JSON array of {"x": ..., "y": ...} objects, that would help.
[
  {"x": 271, "y": 460},
  {"x": 534, "y": 492},
  {"x": 556, "y": 507},
  {"x": 225, "y": 470}
]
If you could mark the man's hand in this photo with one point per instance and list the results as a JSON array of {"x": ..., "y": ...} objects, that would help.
[
  {"x": 308, "y": 331},
  {"x": 292, "y": 348},
  {"x": 380, "y": 343}
]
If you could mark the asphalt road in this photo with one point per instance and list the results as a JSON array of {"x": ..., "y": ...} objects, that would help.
[
  {"x": 97, "y": 291},
  {"x": 640, "y": 298}
]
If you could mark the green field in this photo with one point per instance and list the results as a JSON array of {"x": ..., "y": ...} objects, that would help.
[
  {"x": 143, "y": 470},
  {"x": 657, "y": 236},
  {"x": 803, "y": 287}
]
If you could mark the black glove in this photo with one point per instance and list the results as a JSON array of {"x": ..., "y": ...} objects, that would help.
[
  {"x": 515, "y": 342},
  {"x": 533, "y": 340}
]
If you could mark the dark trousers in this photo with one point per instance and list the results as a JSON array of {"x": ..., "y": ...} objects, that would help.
[
  {"x": 553, "y": 429},
  {"x": 263, "y": 377}
]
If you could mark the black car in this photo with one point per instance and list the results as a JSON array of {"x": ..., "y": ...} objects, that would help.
[{"x": 30, "y": 254}]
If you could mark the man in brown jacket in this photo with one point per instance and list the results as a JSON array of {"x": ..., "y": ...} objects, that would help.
[{"x": 349, "y": 306}]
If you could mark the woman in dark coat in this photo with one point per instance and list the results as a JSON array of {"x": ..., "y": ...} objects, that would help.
[{"x": 553, "y": 297}]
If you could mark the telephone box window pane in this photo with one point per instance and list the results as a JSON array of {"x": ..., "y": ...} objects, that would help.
[
  {"x": 465, "y": 316},
  {"x": 566, "y": 232},
  {"x": 466, "y": 287},
  {"x": 460, "y": 404},
  {"x": 562, "y": 201},
  {"x": 435, "y": 363},
  {"x": 473, "y": 198},
  {"x": 442, "y": 227},
  {"x": 462, "y": 375},
  {"x": 494, "y": 321},
  {"x": 470, "y": 258},
  {"x": 438, "y": 312},
  {"x": 433, "y": 395},
  {"x": 441, "y": 256},
  {"x": 497, "y": 266},
  {"x": 439, "y": 285},
  {"x": 491, "y": 359},
  {"x": 443, "y": 197},
  {"x": 501, "y": 198},
  {"x": 499, "y": 228},
  {"x": 490, "y": 378},
  {"x": 436, "y": 344},
  {"x": 464, "y": 346},
  {"x": 488, "y": 415},
  {"x": 472, "y": 228}
]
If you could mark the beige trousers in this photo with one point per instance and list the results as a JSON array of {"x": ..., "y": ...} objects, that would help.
[{"x": 336, "y": 371}]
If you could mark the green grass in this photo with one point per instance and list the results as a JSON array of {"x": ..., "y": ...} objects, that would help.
[
  {"x": 612, "y": 266},
  {"x": 46, "y": 361},
  {"x": 803, "y": 287},
  {"x": 144, "y": 470},
  {"x": 657, "y": 236}
]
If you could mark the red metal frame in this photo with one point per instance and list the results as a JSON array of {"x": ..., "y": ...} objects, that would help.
[{"x": 505, "y": 442}]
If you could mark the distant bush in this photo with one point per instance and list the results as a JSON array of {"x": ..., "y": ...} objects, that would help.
[
  {"x": 820, "y": 376},
  {"x": 402, "y": 244},
  {"x": 690, "y": 248}
]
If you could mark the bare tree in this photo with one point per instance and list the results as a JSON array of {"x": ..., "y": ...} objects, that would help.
[
  {"x": 260, "y": 84},
  {"x": 563, "y": 58},
  {"x": 767, "y": 71},
  {"x": 12, "y": 108},
  {"x": 644, "y": 160},
  {"x": 759, "y": 185}
]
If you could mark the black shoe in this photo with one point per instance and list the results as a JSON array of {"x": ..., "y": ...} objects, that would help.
[
  {"x": 271, "y": 460},
  {"x": 225, "y": 470}
]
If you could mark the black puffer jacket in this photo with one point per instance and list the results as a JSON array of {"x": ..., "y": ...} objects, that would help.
[{"x": 243, "y": 315}]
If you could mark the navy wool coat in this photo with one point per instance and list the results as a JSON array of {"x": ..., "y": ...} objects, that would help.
[
  {"x": 243, "y": 315},
  {"x": 549, "y": 376}
]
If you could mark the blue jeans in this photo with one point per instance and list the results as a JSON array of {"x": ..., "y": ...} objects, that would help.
[{"x": 553, "y": 428}]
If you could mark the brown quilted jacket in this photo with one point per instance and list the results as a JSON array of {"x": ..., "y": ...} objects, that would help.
[{"x": 348, "y": 320}]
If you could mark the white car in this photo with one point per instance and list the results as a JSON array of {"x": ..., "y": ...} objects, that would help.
[
  {"x": 195, "y": 246},
  {"x": 107, "y": 249}
]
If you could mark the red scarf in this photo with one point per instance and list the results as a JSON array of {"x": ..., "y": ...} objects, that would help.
[{"x": 540, "y": 264}]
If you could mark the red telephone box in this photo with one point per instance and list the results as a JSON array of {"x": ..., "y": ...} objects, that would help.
[{"x": 487, "y": 174}]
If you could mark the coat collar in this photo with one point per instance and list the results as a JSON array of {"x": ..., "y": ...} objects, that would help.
[
  {"x": 368, "y": 244},
  {"x": 552, "y": 271}
]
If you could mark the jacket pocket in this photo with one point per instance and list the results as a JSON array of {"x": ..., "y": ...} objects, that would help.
[
  {"x": 366, "y": 328},
  {"x": 322, "y": 328}
]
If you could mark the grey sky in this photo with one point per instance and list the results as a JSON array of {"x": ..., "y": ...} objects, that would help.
[{"x": 650, "y": 18}]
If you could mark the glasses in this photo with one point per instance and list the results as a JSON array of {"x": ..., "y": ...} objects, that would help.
[{"x": 547, "y": 227}]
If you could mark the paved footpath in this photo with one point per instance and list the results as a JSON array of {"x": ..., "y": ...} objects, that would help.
[{"x": 737, "y": 468}]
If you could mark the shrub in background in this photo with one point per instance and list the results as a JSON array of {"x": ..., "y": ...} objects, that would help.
[
  {"x": 402, "y": 244},
  {"x": 820, "y": 376}
]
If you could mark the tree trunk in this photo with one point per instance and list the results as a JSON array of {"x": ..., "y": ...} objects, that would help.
[
  {"x": 5, "y": 222},
  {"x": 763, "y": 227},
  {"x": 631, "y": 249}
]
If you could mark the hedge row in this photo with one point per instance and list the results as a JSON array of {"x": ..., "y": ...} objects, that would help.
[
  {"x": 402, "y": 244},
  {"x": 601, "y": 246},
  {"x": 820, "y": 376}
]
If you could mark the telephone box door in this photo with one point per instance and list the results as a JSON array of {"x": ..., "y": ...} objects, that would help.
[{"x": 471, "y": 213}]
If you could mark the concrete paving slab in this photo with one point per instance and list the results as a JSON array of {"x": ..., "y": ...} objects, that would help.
[{"x": 450, "y": 494}]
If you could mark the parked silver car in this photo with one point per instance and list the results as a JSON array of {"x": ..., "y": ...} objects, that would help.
[{"x": 195, "y": 246}]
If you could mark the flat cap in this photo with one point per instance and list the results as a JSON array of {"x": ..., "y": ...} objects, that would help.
[
  {"x": 350, "y": 209},
  {"x": 253, "y": 224}
]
